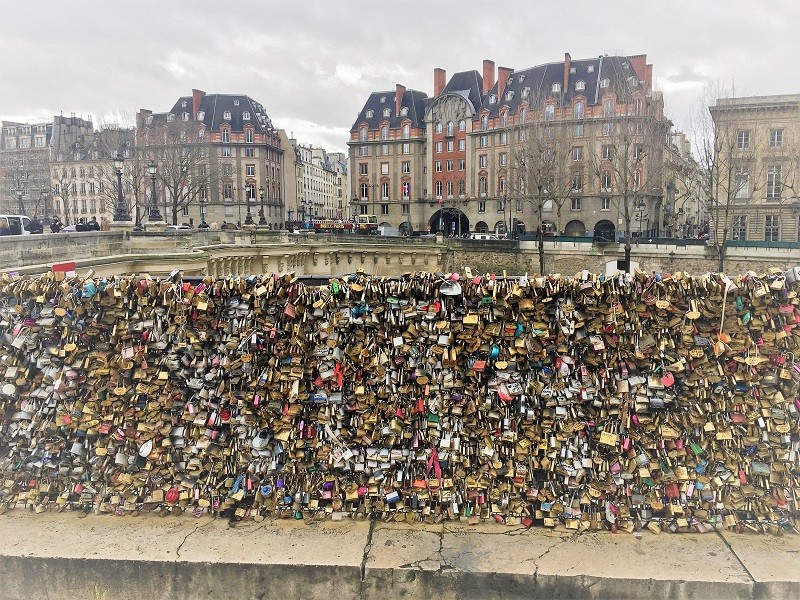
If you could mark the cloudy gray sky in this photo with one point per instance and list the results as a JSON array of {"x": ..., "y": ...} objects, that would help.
[{"x": 312, "y": 63}]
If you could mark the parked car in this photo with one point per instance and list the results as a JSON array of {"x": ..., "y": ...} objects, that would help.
[
  {"x": 483, "y": 236},
  {"x": 68, "y": 229},
  {"x": 15, "y": 224},
  {"x": 176, "y": 227}
]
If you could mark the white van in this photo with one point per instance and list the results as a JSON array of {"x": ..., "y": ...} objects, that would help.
[
  {"x": 16, "y": 223},
  {"x": 483, "y": 236}
]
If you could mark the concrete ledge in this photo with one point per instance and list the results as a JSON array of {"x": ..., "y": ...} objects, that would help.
[{"x": 63, "y": 556}]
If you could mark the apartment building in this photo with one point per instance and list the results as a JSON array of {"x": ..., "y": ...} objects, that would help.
[
  {"x": 217, "y": 155},
  {"x": 755, "y": 168},
  {"x": 452, "y": 162},
  {"x": 25, "y": 167}
]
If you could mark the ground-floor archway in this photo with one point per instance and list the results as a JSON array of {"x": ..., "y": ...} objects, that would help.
[
  {"x": 405, "y": 228},
  {"x": 604, "y": 231},
  {"x": 575, "y": 228},
  {"x": 481, "y": 227},
  {"x": 449, "y": 221},
  {"x": 500, "y": 228}
]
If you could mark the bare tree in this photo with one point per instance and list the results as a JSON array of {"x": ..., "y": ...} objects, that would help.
[
  {"x": 112, "y": 141},
  {"x": 539, "y": 158},
  {"x": 185, "y": 170},
  {"x": 629, "y": 166}
]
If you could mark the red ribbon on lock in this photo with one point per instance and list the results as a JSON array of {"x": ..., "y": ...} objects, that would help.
[{"x": 433, "y": 463}]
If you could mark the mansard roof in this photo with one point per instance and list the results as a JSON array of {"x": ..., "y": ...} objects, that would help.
[
  {"x": 213, "y": 108},
  {"x": 414, "y": 100}
]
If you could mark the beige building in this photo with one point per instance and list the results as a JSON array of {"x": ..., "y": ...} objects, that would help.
[
  {"x": 757, "y": 159},
  {"x": 25, "y": 168},
  {"x": 685, "y": 212}
]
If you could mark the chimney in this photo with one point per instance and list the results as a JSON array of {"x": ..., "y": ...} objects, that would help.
[
  {"x": 502, "y": 78},
  {"x": 399, "y": 91},
  {"x": 488, "y": 75},
  {"x": 439, "y": 79},
  {"x": 197, "y": 97},
  {"x": 567, "y": 63},
  {"x": 648, "y": 76}
]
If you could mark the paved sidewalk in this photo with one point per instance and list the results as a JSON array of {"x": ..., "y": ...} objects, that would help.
[{"x": 62, "y": 556}]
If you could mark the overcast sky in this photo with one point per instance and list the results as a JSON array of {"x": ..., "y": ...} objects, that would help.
[{"x": 312, "y": 64}]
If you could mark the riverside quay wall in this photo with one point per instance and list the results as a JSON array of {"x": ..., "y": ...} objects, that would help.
[
  {"x": 623, "y": 403},
  {"x": 215, "y": 252}
]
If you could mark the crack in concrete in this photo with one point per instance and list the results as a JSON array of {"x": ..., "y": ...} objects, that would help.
[
  {"x": 741, "y": 562},
  {"x": 186, "y": 537},
  {"x": 365, "y": 557}
]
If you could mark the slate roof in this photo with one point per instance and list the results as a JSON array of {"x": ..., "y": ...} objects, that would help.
[
  {"x": 415, "y": 100},
  {"x": 214, "y": 107},
  {"x": 540, "y": 80},
  {"x": 469, "y": 85}
]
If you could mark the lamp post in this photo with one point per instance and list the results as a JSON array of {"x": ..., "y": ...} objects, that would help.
[
  {"x": 203, "y": 224},
  {"x": 19, "y": 202},
  {"x": 261, "y": 220},
  {"x": 155, "y": 214},
  {"x": 121, "y": 212},
  {"x": 248, "y": 220}
]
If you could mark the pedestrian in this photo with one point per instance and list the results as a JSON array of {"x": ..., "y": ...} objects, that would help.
[
  {"x": 81, "y": 225},
  {"x": 224, "y": 225},
  {"x": 93, "y": 225},
  {"x": 35, "y": 226},
  {"x": 55, "y": 224},
  {"x": 214, "y": 224},
  {"x": 4, "y": 228},
  {"x": 104, "y": 224}
]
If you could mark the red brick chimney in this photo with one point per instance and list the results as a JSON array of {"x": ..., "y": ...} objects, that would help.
[
  {"x": 648, "y": 77},
  {"x": 488, "y": 75},
  {"x": 197, "y": 97},
  {"x": 639, "y": 64},
  {"x": 399, "y": 90},
  {"x": 439, "y": 80},
  {"x": 567, "y": 63},
  {"x": 502, "y": 79}
]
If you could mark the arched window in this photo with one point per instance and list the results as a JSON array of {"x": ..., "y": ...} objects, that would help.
[
  {"x": 604, "y": 82},
  {"x": 549, "y": 112},
  {"x": 406, "y": 131},
  {"x": 580, "y": 85},
  {"x": 449, "y": 128},
  {"x": 362, "y": 134},
  {"x": 484, "y": 122},
  {"x": 502, "y": 185},
  {"x": 226, "y": 115},
  {"x": 438, "y": 128},
  {"x": 578, "y": 109},
  {"x": 608, "y": 108},
  {"x": 482, "y": 185},
  {"x": 556, "y": 88},
  {"x": 504, "y": 119},
  {"x": 523, "y": 114},
  {"x": 462, "y": 125},
  {"x": 385, "y": 132}
]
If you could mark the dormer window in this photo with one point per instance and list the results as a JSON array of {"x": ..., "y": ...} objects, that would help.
[
  {"x": 383, "y": 99},
  {"x": 201, "y": 115},
  {"x": 509, "y": 95},
  {"x": 525, "y": 92},
  {"x": 369, "y": 114},
  {"x": 149, "y": 120},
  {"x": 590, "y": 69},
  {"x": 492, "y": 99},
  {"x": 572, "y": 70},
  {"x": 604, "y": 82},
  {"x": 236, "y": 102},
  {"x": 226, "y": 115},
  {"x": 170, "y": 118},
  {"x": 245, "y": 116},
  {"x": 521, "y": 78},
  {"x": 556, "y": 88},
  {"x": 632, "y": 81},
  {"x": 510, "y": 81},
  {"x": 580, "y": 85},
  {"x": 404, "y": 111},
  {"x": 185, "y": 116},
  {"x": 387, "y": 112},
  {"x": 183, "y": 104}
]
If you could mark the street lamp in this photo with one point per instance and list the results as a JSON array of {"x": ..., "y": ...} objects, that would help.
[
  {"x": 203, "y": 224},
  {"x": 19, "y": 200},
  {"x": 248, "y": 220},
  {"x": 155, "y": 214},
  {"x": 261, "y": 220},
  {"x": 121, "y": 212}
]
